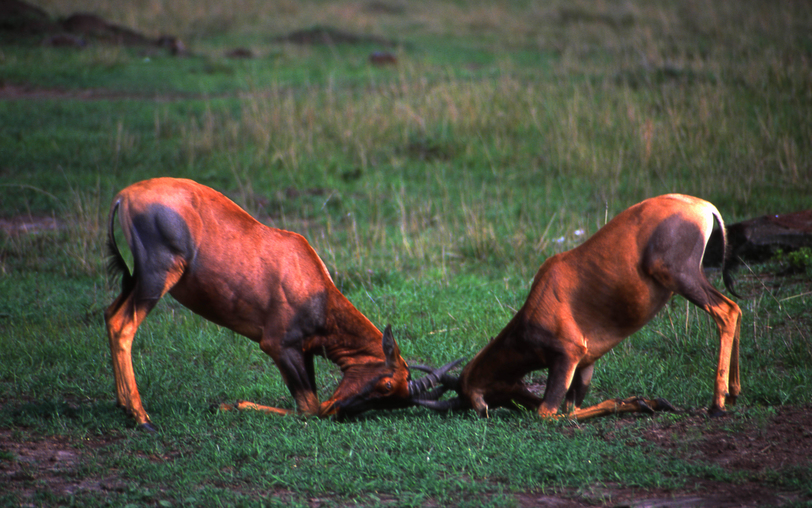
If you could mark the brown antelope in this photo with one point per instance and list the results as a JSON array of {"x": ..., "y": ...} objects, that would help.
[
  {"x": 269, "y": 285},
  {"x": 585, "y": 301}
]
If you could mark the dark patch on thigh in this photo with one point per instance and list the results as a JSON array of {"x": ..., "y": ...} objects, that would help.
[
  {"x": 673, "y": 257},
  {"x": 160, "y": 238}
]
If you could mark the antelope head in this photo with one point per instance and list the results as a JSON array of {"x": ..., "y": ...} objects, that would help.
[{"x": 389, "y": 384}]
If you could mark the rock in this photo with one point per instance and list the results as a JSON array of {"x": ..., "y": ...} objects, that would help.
[
  {"x": 381, "y": 58},
  {"x": 240, "y": 53},
  {"x": 23, "y": 18},
  {"x": 757, "y": 240}
]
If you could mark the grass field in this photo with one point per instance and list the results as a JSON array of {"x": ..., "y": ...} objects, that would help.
[{"x": 433, "y": 189}]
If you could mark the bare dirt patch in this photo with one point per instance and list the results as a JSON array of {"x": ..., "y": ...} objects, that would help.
[
  {"x": 330, "y": 36},
  {"x": 19, "y": 225},
  {"x": 763, "y": 451},
  {"x": 31, "y": 464},
  {"x": 785, "y": 442},
  {"x": 9, "y": 91}
]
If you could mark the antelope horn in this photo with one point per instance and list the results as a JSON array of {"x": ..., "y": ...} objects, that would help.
[
  {"x": 455, "y": 404},
  {"x": 418, "y": 387},
  {"x": 447, "y": 380},
  {"x": 433, "y": 394}
]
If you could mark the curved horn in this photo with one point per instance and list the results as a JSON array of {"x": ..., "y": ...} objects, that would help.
[
  {"x": 434, "y": 377},
  {"x": 431, "y": 395},
  {"x": 447, "y": 380},
  {"x": 454, "y": 404}
]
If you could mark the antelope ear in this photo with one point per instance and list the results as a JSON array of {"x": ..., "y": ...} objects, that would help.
[{"x": 390, "y": 347}]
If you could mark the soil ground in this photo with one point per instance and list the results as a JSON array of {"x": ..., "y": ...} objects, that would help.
[{"x": 761, "y": 450}]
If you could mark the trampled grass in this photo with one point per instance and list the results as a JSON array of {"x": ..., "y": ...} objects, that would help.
[{"x": 433, "y": 190}]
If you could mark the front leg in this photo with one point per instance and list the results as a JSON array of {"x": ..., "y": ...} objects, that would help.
[
  {"x": 579, "y": 387},
  {"x": 508, "y": 395},
  {"x": 523, "y": 397},
  {"x": 616, "y": 406},
  {"x": 244, "y": 404},
  {"x": 559, "y": 380},
  {"x": 297, "y": 371}
]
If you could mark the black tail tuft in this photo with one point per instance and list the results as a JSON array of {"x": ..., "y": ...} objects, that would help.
[
  {"x": 727, "y": 260},
  {"x": 728, "y": 279},
  {"x": 116, "y": 266}
]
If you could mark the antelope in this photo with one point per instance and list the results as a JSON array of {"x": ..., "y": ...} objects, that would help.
[
  {"x": 583, "y": 302},
  {"x": 267, "y": 284}
]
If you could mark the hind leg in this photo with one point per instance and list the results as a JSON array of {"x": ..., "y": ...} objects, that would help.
[
  {"x": 727, "y": 316},
  {"x": 122, "y": 318},
  {"x": 674, "y": 259},
  {"x": 735, "y": 380}
]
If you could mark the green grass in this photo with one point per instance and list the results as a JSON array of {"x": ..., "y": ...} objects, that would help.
[{"x": 433, "y": 190}]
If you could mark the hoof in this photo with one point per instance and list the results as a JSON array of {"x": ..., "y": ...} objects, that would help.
[
  {"x": 225, "y": 407},
  {"x": 644, "y": 407},
  {"x": 664, "y": 405},
  {"x": 148, "y": 427},
  {"x": 716, "y": 412}
]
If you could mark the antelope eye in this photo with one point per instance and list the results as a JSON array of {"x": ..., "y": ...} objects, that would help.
[{"x": 385, "y": 385}]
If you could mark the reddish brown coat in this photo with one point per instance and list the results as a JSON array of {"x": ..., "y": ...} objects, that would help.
[
  {"x": 585, "y": 301},
  {"x": 266, "y": 284}
]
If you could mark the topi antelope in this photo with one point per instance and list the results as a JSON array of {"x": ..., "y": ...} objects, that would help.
[
  {"x": 585, "y": 301},
  {"x": 269, "y": 285}
]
